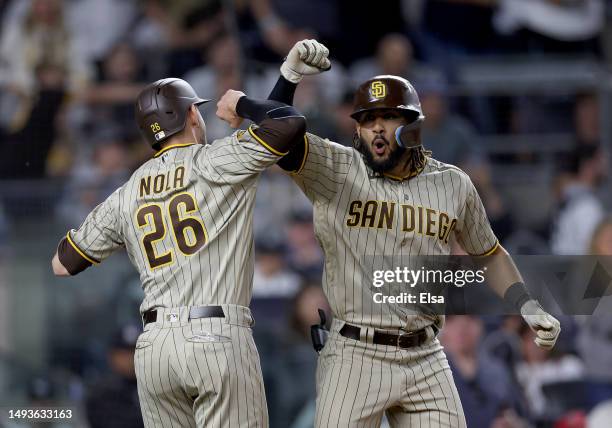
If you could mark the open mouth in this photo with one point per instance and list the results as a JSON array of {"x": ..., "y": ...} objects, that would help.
[{"x": 379, "y": 146}]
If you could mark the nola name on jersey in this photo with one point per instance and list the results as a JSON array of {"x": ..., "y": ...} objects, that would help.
[
  {"x": 168, "y": 180},
  {"x": 392, "y": 215}
]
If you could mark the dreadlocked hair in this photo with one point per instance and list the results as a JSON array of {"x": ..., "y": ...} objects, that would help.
[{"x": 417, "y": 158}]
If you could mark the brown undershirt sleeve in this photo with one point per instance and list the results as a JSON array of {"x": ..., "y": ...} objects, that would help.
[{"x": 70, "y": 257}]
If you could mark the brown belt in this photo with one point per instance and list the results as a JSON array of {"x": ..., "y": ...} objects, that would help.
[
  {"x": 404, "y": 340},
  {"x": 194, "y": 313}
]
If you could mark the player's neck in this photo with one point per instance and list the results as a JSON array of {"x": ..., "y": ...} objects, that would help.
[
  {"x": 180, "y": 139},
  {"x": 185, "y": 137},
  {"x": 402, "y": 169},
  {"x": 405, "y": 168}
]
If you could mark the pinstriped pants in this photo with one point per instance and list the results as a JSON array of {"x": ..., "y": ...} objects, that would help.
[
  {"x": 200, "y": 373},
  {"x": 358, "y": 382}
]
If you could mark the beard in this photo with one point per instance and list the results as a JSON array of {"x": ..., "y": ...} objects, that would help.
[{"x": 379, "y": 166}]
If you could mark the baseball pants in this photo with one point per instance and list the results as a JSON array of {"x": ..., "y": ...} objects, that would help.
[
  {"x": 201, "y": 372},
  {"x": 358, "y": 382}
]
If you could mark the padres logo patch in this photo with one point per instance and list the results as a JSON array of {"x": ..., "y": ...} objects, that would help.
[{"x": 378, "y": 89}]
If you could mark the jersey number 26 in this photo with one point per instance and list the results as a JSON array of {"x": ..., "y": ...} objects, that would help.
[{"x": 188, "y": 232}]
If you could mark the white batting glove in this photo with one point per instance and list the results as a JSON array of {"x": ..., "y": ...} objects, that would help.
[
  {"x": 305, "y": 58},
  {"x": 545, "y": 326}
]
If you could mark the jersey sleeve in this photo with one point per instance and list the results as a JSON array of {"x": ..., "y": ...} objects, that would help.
[
  {"x": 321, "y": 167},
  {"x": 474, "y": 232},
  {"x": 244, "y": 153},
  {"x": 100, "y": 234}
]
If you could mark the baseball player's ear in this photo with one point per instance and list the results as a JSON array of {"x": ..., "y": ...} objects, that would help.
[{"x": 193, "y": 116}]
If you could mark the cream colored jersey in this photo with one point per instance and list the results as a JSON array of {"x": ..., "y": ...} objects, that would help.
[
  {"x": 359, "y": 217},
  {"x": 185, "y": 219}
]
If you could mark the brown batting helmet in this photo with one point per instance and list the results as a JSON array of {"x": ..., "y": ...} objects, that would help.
[
  {"x": 161, "y": 109},
  {"x": 388, "y": 92}
]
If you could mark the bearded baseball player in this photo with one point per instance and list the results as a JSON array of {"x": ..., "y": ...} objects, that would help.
[
  {"x": 386, "y": 196},
  {"x": 185, "y": 220}
]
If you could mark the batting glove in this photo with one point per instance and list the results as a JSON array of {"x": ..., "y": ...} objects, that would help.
[
  {"x": 545, "y": 326},
  {"x": 305, "y": 58}
]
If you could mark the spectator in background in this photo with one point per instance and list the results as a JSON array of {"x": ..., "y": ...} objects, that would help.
[
  {"x": 272, "y": 277},
  {"x": 39, "y": 67},
  {"x": 552, "y": 26},
  {"x": 504, "y": 342},
  {"x": 601, "y": 241},
  {"x": 3, "y": 8},
  {"x": 274, "y": 32},
  {"x": 541, "y": 367},
  {"x": 224, "y": 70},
  {"x": 297, "y": 359},
  {"x": 41, "y": 38},
  {"x": 594, "y": 344},
  {"x": 486, "y": 403},
  {"x": 180, "y": 30},
  {"x": 113, "y": 400},
  {"x": 43, "y": 392},
  {"x": 394, "y": 55},
  {"x": 311, "y": 100},
  {"x": 450, "y": 30},
  {"x": 449, "y": 136},
  {"x": 586, "y": 119},
  {"x": 601, "y": 416},
  {"x": 363, "y": 25},
  {"x": 93, "y": 179},
  {"x": 33, "y": 129},
  {"x": 579, "y": 209},
  {"x": 272, "y": 212},
  {"x": 594, "y": 340},
  {"x": 99, "y": 25},
  {"x": 111, "y": 98},
  {"x": 453, "y": 140},
  {"x": 303, "y": 252},
  {"x": 344, "y": 125}
]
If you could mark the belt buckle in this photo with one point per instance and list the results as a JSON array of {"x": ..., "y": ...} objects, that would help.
[{"x": 405, "y": 340}]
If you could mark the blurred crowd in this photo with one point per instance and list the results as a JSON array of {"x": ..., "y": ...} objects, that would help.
[{"x": 71, "y": 69}]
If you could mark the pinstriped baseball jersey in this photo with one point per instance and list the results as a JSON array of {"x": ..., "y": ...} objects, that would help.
[
  {"x": 185, "y": 219},
  {"x": 358, "y": 215}
]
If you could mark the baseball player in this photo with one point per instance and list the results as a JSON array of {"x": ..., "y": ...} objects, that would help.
[
  {"x": 386, "y": 196},
  {"x": 185, "y": 220}
]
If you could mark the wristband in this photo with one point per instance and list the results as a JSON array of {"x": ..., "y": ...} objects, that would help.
[
  {"x": 516, "y": 295},
  {"x": 283, "y": 91}
]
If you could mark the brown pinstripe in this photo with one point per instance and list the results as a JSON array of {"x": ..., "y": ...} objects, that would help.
[
  {"x": 205, "y": 372},
  {"x": 358, "y": 382}
]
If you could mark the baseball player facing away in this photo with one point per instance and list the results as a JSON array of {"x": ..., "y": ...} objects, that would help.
[
  {"x": 185, "y": 219},
  {"x": 388, "y": 196}
]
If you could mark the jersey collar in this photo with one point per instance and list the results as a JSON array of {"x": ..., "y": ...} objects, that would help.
[
  {"x": 407, "y": 177},
  {"x": 171, "y": 146}
]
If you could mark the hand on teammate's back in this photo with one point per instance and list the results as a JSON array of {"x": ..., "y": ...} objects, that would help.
[{"x": 226, "y": 107}]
